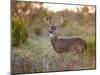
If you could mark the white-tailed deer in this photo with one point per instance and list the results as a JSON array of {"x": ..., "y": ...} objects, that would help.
[{"x": 61, "y": 45}]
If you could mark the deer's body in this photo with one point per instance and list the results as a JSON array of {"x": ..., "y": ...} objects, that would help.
[{"x": 61, "y": 45}]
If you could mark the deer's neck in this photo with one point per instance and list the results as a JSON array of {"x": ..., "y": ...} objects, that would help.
[{"x": 53, "y": 35}]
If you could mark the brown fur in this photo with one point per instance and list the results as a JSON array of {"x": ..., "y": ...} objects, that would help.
[{"x": 61, "y": 45}]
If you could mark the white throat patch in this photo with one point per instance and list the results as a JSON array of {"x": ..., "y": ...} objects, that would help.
[{"x": 52, "y": 35}]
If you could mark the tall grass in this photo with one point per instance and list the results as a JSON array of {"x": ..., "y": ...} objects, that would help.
[
  {"x": 38, "y": 55},
  {"x": 19, "y": 31}
]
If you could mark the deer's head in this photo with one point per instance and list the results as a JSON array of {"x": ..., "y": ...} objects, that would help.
[{"x": 53, "y": 23}]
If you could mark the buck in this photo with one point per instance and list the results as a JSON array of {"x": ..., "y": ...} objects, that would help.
[{"x": 62, "y": 45}]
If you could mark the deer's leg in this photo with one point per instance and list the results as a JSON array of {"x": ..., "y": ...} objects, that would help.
[
  {"x": 81, "y": 55},
  {"x": 62, "y": 64}
]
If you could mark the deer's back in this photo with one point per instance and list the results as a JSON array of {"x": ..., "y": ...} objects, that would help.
[{"x": 66, "y": 44}]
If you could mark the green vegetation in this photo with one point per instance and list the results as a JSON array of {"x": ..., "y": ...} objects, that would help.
[
  {"x": 31, "y": 47},
  {"x": 38, "y": 52},
  {"x": 19, "y": 31}
]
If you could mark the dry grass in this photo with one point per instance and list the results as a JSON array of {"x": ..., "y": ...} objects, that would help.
[{"x": 38, "y": 56}]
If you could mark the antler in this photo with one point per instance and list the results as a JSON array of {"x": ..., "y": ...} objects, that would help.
[
  {"x": 57, "y": 20},
  {"x": 44, "y": 19},
  {"x": 54, "y": 20},
  {"x": 61, "y": 20}
]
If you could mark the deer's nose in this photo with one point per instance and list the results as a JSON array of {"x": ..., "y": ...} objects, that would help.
[{"x": 50, "y": 31}]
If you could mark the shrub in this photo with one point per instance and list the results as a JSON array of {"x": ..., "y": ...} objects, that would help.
[
  {"x": 92, "y": 47},
  {"x": 37, "y": 30},
  {"x": 66, "y": 23},
  {"x": 19, "y": 31}
]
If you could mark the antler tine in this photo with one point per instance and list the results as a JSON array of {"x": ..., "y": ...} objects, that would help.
[
  {"x": 61, "y": 21},
  {"x": 46, "y": 21}
]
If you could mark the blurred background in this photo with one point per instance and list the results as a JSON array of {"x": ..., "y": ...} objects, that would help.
[{"x": 31, "y": 47}]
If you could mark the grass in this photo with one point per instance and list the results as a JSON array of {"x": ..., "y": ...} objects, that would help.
[
  {"x": 37, "y": 55},
  {"x": 31, "y": 48}
]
